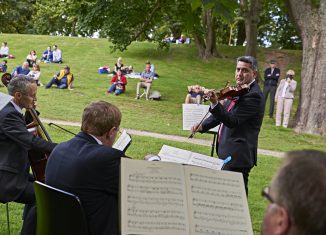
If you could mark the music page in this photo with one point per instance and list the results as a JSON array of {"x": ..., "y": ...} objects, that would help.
[
  {"x": 153, "y": 198},
  {"x": 122, "y": 142},
  {"x": 4, "y": 100},
  {"x": 194, "y": 113},
  {"x": 217, "y": 202},
  {"x": 172, "y": 154}
]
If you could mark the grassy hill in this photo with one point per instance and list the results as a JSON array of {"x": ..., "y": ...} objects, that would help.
[{"x": 178, "y": 68}]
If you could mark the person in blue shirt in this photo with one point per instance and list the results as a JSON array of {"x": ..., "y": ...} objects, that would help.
[
  {"x": 146, "y": 80},
  {"x": 24, "y": 69},
  {"x": 47, "y": 55},
  {"x": 3, "y": 66}
]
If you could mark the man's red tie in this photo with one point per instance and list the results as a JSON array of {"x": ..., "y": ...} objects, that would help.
[{"x": 233, "y": 101}]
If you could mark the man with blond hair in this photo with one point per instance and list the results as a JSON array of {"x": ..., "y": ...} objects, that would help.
[
  {"x": 297, "y": 196},
  {"x": 88, "y": 167}
]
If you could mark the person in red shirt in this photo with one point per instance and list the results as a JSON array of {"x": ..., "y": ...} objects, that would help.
[{"x": 118, "y": 84}]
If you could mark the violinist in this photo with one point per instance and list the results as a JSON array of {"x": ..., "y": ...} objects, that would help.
[
  {"x": 16, "y": 184},
  {"x": 240, "y": 119}
]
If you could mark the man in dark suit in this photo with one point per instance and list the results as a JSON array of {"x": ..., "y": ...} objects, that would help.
[
  {"x": 271, "y": 76},
  {"x": 240, "y": 120},
  {"x": 16, "y": 184},
  {"x": 88, "y": 167}
]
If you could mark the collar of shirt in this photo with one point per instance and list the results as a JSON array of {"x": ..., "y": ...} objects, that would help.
[
  {"x": 97, "y": 140},
  {"x": 17, "y": 107}
]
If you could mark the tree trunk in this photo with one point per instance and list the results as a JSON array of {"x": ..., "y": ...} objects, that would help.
[
  {"x": 310, "y": 20},
  {"x": 250, "y": 10},
  {"x": 241, "y": 33}
]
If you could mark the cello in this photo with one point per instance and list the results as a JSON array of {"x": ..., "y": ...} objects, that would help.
[{"x": 37, "y": 159}]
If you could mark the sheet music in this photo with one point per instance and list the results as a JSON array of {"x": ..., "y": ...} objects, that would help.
[
  {"x": 172, "y": 154},
  {"x": 122, "y": 142},
  {"x": 153, "y": 198},
  {"x": 194, "y": 113},
  {"x": 4, "y": 100},
  {"x": 217, "y": 202}
]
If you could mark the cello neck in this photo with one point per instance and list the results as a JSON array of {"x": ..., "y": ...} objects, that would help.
[{"x": 37, "y": 122}]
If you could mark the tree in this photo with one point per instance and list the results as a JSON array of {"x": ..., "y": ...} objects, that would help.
[
  {"x": 250, "y": 10},
  {"x": 309, "y": 18},
  {"x": 16, "y": 16},
  {"x": 125, "y": 21}
]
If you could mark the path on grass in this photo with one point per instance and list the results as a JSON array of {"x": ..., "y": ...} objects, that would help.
[{"x": 167, "y": 137}]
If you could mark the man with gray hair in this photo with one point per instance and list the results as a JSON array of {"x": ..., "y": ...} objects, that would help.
[
  {"x": 88, "y": 167},
  {"x": 240, "y": 119},
  {"x": 16, "y": 184},
  {"x": 24, "y": 69},
  {"x": 297, "y": 196}
]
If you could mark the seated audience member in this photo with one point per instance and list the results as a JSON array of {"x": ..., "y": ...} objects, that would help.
[
  {"x": 118, "y": 65},
  {"x": 119, "y": 83},
  {"x": 128, "y": 70},
  {"x": 3, "y": 66},
  {"x": 24, "y": 69},
  {"x": 4, "y": 50},
  {"x": 146, "y": 79},
  {"x": 35, "y": 73},
  {"x": 297, "y": 196},
  {"x": 57, "y": 55},
  {"x": 47, "y": 55},
  {"x": 63, "y": 79},
  {"x": 88, "y": 167},
  {"x": 195, "y": 94},
  {"x": 284, "y": 97},
  {"x": 31, "y": 58},
  {"x": 181, "y": 40}
]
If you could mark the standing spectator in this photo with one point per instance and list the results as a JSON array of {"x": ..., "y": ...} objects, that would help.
[
  {"x": 3, "y": 66},
  {"x": 146, "y": 79},
  {"x": 35, "y": 73},
  {"x": 31, "y": 58},
  {"x": 271, "y": 76},
  {"x": 57, "y": 55},
  {"x": 284, "y": 98},
  {"x": 4, "y": 50},
  {"x": 24, "y": 69},
  {"x": 297, "y": 196},
  {"x": 63, "y": 79},
  {"x": 119, "y": 83},
  {"x": 47, "y": 55}
]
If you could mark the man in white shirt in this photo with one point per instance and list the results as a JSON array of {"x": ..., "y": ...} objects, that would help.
[{"x": 57, "y": 55}]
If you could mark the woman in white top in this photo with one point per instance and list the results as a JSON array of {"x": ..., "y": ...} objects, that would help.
[
  {"x": 31, "y": 58},
  {"x": 284, "y": 98},
  {"x": 4, "y": 50},
  {"x": 35, "y": 73}
]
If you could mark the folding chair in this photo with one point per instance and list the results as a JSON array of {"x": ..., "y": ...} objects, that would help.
[{"x": 58, "y": 212}]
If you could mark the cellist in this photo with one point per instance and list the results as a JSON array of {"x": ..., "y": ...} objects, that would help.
[{"x": 16, "y": 184}]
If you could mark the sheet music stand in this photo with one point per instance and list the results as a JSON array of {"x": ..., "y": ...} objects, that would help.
[{"x": 214, "y": 141}]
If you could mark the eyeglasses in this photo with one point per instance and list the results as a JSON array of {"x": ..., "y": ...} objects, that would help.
[{"x": 266, "y": 194}]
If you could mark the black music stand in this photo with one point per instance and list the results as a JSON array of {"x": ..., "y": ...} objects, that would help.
[{"x": 214, "y": 141}]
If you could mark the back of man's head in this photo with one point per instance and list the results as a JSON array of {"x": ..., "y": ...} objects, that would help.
[
  {"x": 300, "y": 187},
  {"x": 99, "y": 117}
]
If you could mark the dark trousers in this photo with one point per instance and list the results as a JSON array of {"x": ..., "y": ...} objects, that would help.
[
  {"x": 29, "y": 214},
  {"x": 245, "y": 174},
  {"x": 272, "y": 90}
]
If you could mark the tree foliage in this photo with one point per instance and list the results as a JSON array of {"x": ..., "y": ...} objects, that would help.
[{"x": 16, "y": 16}]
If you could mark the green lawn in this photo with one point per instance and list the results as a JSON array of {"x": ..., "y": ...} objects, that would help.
[
  {"x": 259, "y": 177},
  {"x": 178, "y": 68}
]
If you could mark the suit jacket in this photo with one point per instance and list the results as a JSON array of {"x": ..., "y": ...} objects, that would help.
[
  {"x": 271, "y": 78},
  {"x": 289, "y": 93},
  {"x": 15, "y": 141},
  {"x": 90, "y": 171},
  {"x": 241, "y": 126}
]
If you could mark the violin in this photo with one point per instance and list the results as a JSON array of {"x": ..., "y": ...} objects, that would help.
[{"x": 228, "y": 92}]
